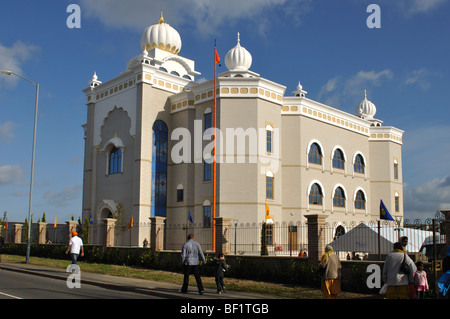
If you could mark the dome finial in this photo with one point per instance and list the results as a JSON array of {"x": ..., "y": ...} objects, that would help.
[
  {"x": 366, "y": 108},
  {"x": 238, "y": 58},
  {"x": 161, "y": 18}
]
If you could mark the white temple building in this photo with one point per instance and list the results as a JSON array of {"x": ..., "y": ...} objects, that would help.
[{"x": 285, "y": 151}]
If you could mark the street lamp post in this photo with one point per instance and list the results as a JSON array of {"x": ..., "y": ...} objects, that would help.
[{"x": 7, "y": 72}]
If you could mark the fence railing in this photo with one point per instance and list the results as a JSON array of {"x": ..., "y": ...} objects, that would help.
[{"x": 281, "y": 239}]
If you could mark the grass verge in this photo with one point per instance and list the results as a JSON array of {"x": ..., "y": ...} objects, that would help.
[{"x": 232, "y": 284}]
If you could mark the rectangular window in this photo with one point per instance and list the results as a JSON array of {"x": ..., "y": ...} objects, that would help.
[
  {"x": 206, "y": 216},
  {"x": 208, "y": 121},
  {"x": 269, "y": 187},
  {"x": 180, "y": 195},
  {"x": 269, "y": 234},
  {"x": 395, "y": 170},
  {"x": 207, "y": 170},
  {"x": 397, "y": 204},
  {"x": 269, "y": 141}
]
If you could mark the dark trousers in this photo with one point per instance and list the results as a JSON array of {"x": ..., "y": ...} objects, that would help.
[
  {"x": 219, "y": 283},
  {"x": 189, "y": 269},
  {"x": 74, "y": 258}
]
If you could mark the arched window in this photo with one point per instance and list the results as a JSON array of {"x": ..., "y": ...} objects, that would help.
[
  {"x": 269, "y": 138},
  {"x": 315, "y": 195},
  {"x": 315, "y": 154},
  {"x": 207, "y": 119},
  {"x": 180, "y": 193},
  {"x": 395, "y": 169},
  {"x": 175, "y": 73},
  {"x": 360, "y": 200},
  {"x": 115, "y": 161},
  {"x": 159, "y": 169},
  {"x": 339, "y": 197},
  {"x": 359, "y": 165},
  {"x": 397, "y": 202},
  {"x": 187, "y": 77},
  {"x": 338, "y": 159},
  {"x": 340, "y": 230},
  {"x": 206, "y": 213},
  {"x": 269, "y": 185}
]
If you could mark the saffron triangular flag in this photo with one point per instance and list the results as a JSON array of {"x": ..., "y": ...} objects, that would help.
[
  {"x": 130, "y": 223},
  {"x": 384, "y": 213},
  {"x": 54, "y": 226},
  {"x": 216, "y": 56}
]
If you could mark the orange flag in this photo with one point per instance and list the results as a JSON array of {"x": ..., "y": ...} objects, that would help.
[
  {"x": 54, "y": 226},
  {"x": 130, "y": 224},
  {"x": 216, "y": 56},
  {"x": 269, "y": 219}
]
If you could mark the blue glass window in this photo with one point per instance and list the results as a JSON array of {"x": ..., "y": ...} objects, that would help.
[
  {"x": 159, "y": 169},
  {"x": 338, "y": 159},
  {"x": 314, "y": 155},
  {"x": 339, "y": 198},
  {"x": 269, "y": 141},
  {"x": 208, "y": 121},
  {"x": 359, "y": 164},
  {"x": 115, "y": 161},
  {"x": 206, "y": 216},
  {"x": 360, "y": 201},
  {"x": 315, "y": 195},
  {"x": 269, "y": 187},
  {"x": 207, "y": 169}
]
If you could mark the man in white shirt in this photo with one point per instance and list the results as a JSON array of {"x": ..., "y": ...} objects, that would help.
[{"x": 75, "y": 246}]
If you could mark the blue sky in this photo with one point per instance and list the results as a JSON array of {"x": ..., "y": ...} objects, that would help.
[{"x": 404, "y": 65}]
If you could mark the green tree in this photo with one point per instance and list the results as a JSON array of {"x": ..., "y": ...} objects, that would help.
[{"x": 264, "y": 251}]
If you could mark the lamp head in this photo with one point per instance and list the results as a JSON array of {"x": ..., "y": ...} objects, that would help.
[{"x": 6, "y": 72}]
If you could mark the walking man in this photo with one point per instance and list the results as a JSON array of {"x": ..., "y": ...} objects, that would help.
[
  {"x": 191, "y": 252},
  {"x": 75, "y": 246}
]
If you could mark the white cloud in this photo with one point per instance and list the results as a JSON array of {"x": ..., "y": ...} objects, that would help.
[
  {"x": 6, "y": 132},
  {"x": 424, "y": 200},
  {"x": 339, "y": 90},
  {"x": 62, "y": 198},
  {"x": 206, "y": 15},
  {"x": 10, "y": 174},
  {"x": 421, "y": 78},
  {"x": 12, "y": 58},
  {"x": 412, "y": 8},
  {"x": 422, "y": 6}
]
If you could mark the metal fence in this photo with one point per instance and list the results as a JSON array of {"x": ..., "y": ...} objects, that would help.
[
  {"x": 280, "y": 239},
  {"x": 369, "y": 240}
]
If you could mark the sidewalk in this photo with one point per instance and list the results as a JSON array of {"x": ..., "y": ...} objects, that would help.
[{"x": 158, "y": 288}]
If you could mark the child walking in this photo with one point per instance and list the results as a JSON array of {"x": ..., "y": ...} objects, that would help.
[
  {"x": 420, "y": 280},
  {"x": 221, "y": 267}
]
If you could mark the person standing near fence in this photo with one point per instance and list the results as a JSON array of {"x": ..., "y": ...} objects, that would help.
[
  {"x": 191, "y": 252},
  {"x": 330, "y": 269},
  {"x": 398, "y": 274},
  {"x": 420, "y": 280},
  {"x": 219, "y": 272},
  {"x": 75, "y": 247}
]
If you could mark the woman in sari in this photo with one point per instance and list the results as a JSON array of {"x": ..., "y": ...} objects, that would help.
[{"x": 330, "y": 267}]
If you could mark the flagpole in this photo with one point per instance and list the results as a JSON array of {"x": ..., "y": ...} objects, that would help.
[{"x": 214, "y": 164}]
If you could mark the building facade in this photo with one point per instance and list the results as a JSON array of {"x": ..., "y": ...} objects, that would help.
[{"x": 148, "y": 148}]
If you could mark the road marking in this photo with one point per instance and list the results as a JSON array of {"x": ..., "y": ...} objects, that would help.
[{"x": 8, "y": 295}]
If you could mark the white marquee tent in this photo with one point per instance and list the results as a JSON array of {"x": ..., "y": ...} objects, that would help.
[{"x": 364, "y": 238}]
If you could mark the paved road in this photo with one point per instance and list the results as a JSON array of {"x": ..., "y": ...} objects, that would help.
[{"x": 26, "y": 281}]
